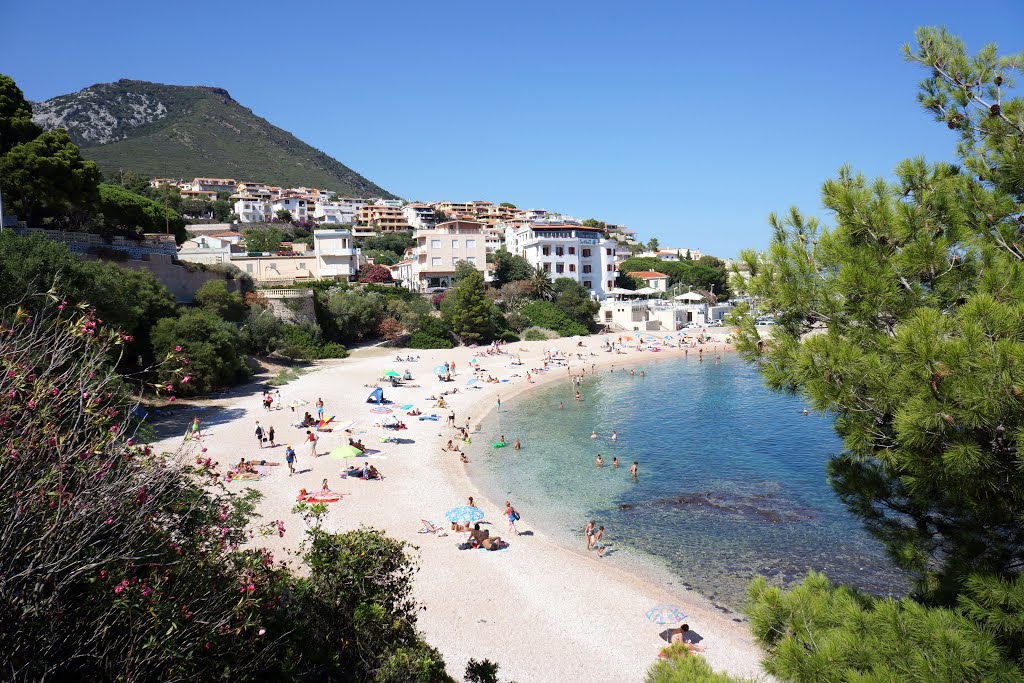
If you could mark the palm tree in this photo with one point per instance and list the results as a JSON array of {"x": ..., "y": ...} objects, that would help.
[{"x": 541, "y": 284}]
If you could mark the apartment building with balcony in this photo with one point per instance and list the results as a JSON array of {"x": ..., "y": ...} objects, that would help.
[
  {"x": 376, "y": 218},
  {"x": 214, "y": 185},
  {"x": 420, "y": 216},
  {"x": 331, "y": 213},
  {"x": 439, "y": 249},
  {"x": 567, "y": 250},
  {"x": 297, "y": 206},
  {"x": 253, "y": 210},
  {"x": 336, "y": 254}
]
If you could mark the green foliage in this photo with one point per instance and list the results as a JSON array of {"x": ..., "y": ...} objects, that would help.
[
  {"x": 508, "y": 267},
  {"x": 430, "y": 333},
  {"x": 653, "y": 244},
  {"x": 129, "y": 212},
  {"x": 540, "y": 282},
  {"x": 393, "y": 242},
  {"x": 204, "y": 133},
  {"x": 211, "y": 345},
  {"x": 16, "y": 124},
  {"x": 507, "y": 205},
  {"x": 261, "y": 332},
  {"x": 538, "y": 334},
  {"x": 462, "y": 269},
  {"x": 484, "y": 671},
  {"x": 284, "y": 215},
  {"x": 821, "y": 632},
  {"x": 356, "y": 313},
  {"x": 549, "y": 316},
  {"x": 574, "y": 300},
  {"x": 422, "y": 340},
  {"x": 284, "y": 377},
  {"x": 266, "y": 239},
  {"x": 214, "y": 297},
  {"x": 47, "y": 177},
  {"x": 594, "y": 223},
  {"x": 372, "y": 272},
  {"x": 469, "y": 312},
  {"x": 709, "y": 273},
  {"x": 305, "y": 342},
  {"x": 680, "y": 666}
]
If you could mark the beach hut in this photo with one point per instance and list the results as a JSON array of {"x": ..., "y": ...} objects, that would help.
[{"x": 376, "y": 396}]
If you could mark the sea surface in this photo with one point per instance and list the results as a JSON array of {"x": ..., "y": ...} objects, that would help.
[{"x": 731, "y": 482}]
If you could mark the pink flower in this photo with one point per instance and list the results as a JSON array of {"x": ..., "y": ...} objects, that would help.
[
  {"x": 187, "y": 361},
  {"x": 186, "y": 379},
  {"x": 31, "y": 404},
  {"x": 263, "y": 631},
  {"x": 113, "y": 429},
  {"x": 169, "y": 387},
  {"x": 110, "y": 520},
  {"x": 208, "y": 645},
  {"x": 177, "y": 349},
  {"x": 54, "y": 391},
  {"x": 147, "y": 591},
  {"x": 250, "y": 588},
  {"x": 170, "y": 398},
  {"x": 12, "y": 393},
  {"x": 103, "y": 573},
  {"x": 118, "y": 589},
  {"x": 125, "y": 583}
]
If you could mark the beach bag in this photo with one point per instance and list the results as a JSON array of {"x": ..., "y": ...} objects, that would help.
[{"x": 515, "y": 515}]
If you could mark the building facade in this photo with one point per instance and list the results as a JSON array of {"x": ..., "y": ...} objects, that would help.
[
  {"x": 438, "y": 250},
  {"x": 336, "y": 254},
  {"x": 568, "y": 250}
]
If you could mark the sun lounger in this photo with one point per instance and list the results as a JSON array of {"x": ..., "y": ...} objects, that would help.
[{"x": 430, "y": 528}]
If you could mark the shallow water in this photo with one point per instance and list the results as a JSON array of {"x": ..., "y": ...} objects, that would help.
[{"x": 731, "y": 476}]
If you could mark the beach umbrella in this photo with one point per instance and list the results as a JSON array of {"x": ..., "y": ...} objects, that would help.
[
  {"x": 666, "y": 614},
  {"x": 376, "y": 396},
  {"x": 389, "y": 420},
  {"x": 295, "y": 403},
  {"x": 440, "y": 370},
  {"x": 474, "y": 359},
  {"x": 342, "y": 452},
  {"x": 471, "y": 382},
  {"x": 392, "y": 373},
  {"x": 464, "y": 513},
  {"x": 342, "y": 426},
  {"x": 689, "y": 296}
]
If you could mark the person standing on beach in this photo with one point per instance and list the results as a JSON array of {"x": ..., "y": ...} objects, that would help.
[
  {"x": 289, "y": 457},
  {"x": 270, "y": 436},
  {"x": 588, "y": 531},
  {"x": 512, "y": 516},
  {"x": 195, "y": 432},
  {"x": 320, "y": 409},
  {"x": 259, "y": 433},
  {"x": 451, "y": 418},
  {"x": 633, "y": 470},
  {"x": 311, "y": 439},
  {"x": 598, "y": 542},
  {"x": 277, "y": 398}
]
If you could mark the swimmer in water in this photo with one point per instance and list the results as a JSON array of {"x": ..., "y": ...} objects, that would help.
[
  {"x": 615, "y": 462},
  {"x": 806, "y": 412},
  {"x": 593, "y": 435},
  {"x": 615, "y": 436},
  {"x": 600, "y": 461}
]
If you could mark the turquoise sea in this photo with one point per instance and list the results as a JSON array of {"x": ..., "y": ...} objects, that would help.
[{"x": 731, "y": 476}]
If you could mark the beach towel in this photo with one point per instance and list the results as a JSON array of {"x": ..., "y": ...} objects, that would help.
[
  {"x": 245, "y": 476},
  {"x": 407, "y": 406},
  {"x": 331, "y": 497},
  {"x": 429, "y": 417}
]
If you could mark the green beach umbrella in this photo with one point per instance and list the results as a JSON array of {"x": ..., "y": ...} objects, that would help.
[
  {"x": 392, "y": 373},
  {"x": 342, "y": 452}
]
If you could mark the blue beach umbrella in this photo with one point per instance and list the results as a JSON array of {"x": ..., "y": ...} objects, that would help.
[
  {"x": 464, "y": 513},
  {"x": 441, "y": 370},
  {"x": 471, "y": 382},
  {"x": 666, "y": 614}
]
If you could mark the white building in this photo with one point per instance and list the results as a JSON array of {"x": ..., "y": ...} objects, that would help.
[
  {"x": 334, "y": 214},
  {"x": 393, "y": 203},
  {"x": 336, "y": 254},
  {"x": 206, "y": 249},
  {"x": 567, "y": 250},
  {"x": 671, "y": 254},
  {"x": 420, "y": 216},
  {"x": 652, "y": 279},
  {"x": 401, "y": 273},
  {"x": 253, "y": 210},
  {"x": 294, "y": 205}
]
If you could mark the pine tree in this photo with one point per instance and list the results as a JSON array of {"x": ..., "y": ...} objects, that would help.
[
  {"x": 468, "y": 310},
  {"x": 905, "y": 321}
]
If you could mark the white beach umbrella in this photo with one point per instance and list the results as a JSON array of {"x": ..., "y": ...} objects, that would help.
[{"x": 689, "y": 296}]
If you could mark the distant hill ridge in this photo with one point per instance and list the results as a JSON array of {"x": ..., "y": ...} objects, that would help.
[{"x": 188, "y": 131}]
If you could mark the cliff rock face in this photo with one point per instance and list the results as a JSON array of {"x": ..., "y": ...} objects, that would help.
[{"x": 184, "y": 132}]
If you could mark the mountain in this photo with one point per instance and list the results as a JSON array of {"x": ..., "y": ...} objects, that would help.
[{"x": 182, "y": 131}]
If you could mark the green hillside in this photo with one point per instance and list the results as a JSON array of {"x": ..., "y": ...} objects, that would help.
[{"x": 188, "y": 131}]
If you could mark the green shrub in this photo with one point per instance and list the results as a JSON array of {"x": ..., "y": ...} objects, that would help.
[
  {"x": 333, "y": 350},
  {"x": 423, "y": 340},
  {"x": 538, "y": 334},
  {"x": 508, "y": 336},
  {"x": 211, "y": 345},
  {"x": 284, "y": 377},
  {"x": 680, "y": 666},
  {"x": 549, "y": 316}
]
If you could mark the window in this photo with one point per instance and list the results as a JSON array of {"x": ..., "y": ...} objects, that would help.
[
  {"x": 587, "y": 268},
  {"x": 586, "y": 253},
  {"x": 436, "y": 261},
  {"x": 572, "y": 250},
  {"x": 454, "y": 260},
  {"x": 607, "y": 316},
  {"x": 470, "y": 244},
  {"x": 435, "y": 244},
  {"x": 248, "y": 267},
  {"x": 455, "y": 244},
  {"x": 471, "y": 259},
  {"x": 609, "y": 267},
  {"x": 611, "y": 283},
  {"x": 588, "y": 284},
  {"x": 608, "y": 252},
  {"x": 560, "y": 268},
  {"x": 559, "y": 251},
  {"x": 546, "y": 251},
  {"x": 547, "y": 267},
  {"x": 302, "y": 266},
  {"x": 572, "y": 267}
]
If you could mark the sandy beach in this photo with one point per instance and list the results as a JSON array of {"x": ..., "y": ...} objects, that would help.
[{"x": 543, "y": 612}]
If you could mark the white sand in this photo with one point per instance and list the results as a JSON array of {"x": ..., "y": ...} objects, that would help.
[{"x": 541, "y": 611}]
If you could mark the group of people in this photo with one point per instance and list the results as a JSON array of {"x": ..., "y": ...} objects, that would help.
[
  {"x": 264, "y": 435},
  {"x": 367, "y": 471},
  {"x": 595, "y": 537}
]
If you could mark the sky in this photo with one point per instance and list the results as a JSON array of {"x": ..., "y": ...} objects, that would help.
[{"x": 689, "y": 122}]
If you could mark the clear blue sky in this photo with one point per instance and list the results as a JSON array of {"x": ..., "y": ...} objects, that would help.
[{"x": 685, "y": 121}]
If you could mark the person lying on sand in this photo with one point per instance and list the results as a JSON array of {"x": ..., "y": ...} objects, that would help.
[
  {"x": 685, "y": 636},
  {"x": 458, "y": 526},
  {"x": 244, "y": 466},
  {"x": 464, "y": 458}
]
